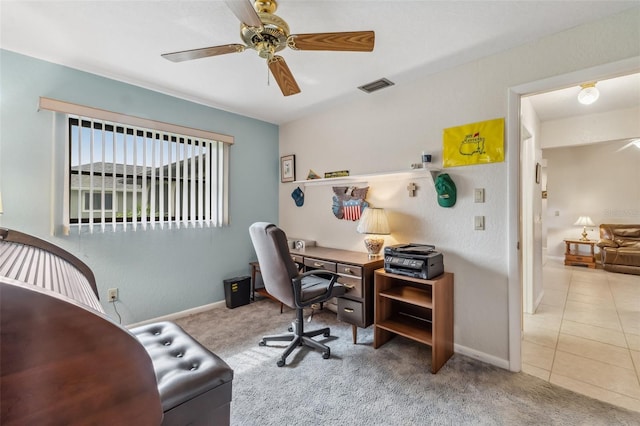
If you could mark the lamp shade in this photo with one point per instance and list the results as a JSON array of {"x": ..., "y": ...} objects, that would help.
[
  {"x": 589, "y": 94},
  {"x": 584, "y": 221},
  {"x": 373, "y": 221}
]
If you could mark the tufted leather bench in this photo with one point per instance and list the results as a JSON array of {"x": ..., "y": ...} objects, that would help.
[{"x": 193, "y": 382}]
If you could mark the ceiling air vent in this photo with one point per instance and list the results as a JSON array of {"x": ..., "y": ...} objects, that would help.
[{"x": 376, "y": 85}]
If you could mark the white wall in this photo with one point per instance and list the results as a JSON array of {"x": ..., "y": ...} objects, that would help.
[
  {"x": 389, "y": 129},
  {"x": 608, "y": 126},
  {"x": 593, "y": 180}
]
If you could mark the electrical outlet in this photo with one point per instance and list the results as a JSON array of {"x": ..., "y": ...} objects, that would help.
[{"x": 112, "y": 294}]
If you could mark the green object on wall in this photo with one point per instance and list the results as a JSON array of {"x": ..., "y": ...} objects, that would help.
[{"x": 446, "y": 189}]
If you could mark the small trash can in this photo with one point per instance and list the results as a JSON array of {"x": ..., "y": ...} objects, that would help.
[{"x": 237, "y": 291}]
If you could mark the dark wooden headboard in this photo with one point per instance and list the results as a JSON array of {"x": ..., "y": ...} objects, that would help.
[
  {"x": 35, "y": 261},
  {"x": 62, "y": 360}
]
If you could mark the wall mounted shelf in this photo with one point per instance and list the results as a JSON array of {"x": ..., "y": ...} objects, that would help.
[{"x": 413, "y": 173}]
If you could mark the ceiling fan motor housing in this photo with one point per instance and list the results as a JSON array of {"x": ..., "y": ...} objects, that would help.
[{"x": 272, "y": 38}]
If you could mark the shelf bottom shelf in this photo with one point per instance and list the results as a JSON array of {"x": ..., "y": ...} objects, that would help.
[{"x": 409, "y": 327}]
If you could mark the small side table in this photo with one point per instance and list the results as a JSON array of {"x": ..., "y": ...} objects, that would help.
[{"x": 575, "y": 258}]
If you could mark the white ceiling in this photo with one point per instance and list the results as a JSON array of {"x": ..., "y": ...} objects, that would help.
[
  {"x": 615, "y": 93},
  {"x": 123, "y": 40}
]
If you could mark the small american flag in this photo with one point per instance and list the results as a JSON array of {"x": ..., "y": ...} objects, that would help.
[{"x": 352, "y": 211}]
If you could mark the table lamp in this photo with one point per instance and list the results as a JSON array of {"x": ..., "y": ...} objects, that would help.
[
  {"x": 584, "y": 221},
  {"x": 374, "y": 223}
]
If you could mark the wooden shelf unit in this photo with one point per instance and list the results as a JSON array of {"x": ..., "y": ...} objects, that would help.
[{"x": 421, "y": 310}]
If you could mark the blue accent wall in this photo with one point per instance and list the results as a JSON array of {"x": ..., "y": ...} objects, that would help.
[{"x": 157, "y": 272}]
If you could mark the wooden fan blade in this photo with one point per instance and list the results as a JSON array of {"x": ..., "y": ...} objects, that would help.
[
  {"x": 354, "y": 41},
  {"x": 283, "y": 76},
  {"x": 244, "y": 11},
  {"x": 187, "y": 55}
]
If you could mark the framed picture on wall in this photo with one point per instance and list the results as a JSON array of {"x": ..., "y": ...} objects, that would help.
[{"x": 288, "y": 168}]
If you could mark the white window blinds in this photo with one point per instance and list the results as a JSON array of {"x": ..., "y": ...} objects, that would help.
[{"x": 123, "y": 176}]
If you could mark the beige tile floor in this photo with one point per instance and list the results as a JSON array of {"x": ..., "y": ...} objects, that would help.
[{"x": 585, "y": 334}]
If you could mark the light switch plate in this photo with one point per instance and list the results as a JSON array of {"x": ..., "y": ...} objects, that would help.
[
  {"x": 478, "y": 223},
  {"x": 478, "y": 195}
]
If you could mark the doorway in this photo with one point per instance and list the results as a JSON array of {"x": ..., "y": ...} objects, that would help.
[{"x": 522, "y": 232}]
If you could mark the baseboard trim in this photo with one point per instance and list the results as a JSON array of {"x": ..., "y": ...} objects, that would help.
[
  {"x": 176, "y": 315},
  {"x": 481, "y": 356}
]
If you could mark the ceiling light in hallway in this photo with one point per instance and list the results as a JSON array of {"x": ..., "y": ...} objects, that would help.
[{"x": 589, "y": 93}]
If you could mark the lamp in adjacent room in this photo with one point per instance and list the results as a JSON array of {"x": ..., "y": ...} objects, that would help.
[
  {"x": 374, "y": 223},
  {"x": 584, "y": 221},
  {"x": 589, "y": 93}
]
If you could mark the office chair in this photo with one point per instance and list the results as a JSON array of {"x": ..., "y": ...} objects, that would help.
[{"x": 296, "y": 290}]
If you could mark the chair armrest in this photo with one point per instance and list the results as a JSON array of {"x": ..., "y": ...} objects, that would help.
[
  {"x": 297, "y": 287},
  {"x": 603, "y": 242}
]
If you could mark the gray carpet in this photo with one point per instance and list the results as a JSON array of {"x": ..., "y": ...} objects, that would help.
[{"x": 390, "y": 385}]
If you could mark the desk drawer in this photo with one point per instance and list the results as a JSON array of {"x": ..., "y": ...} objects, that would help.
[
  {"x": 356, "y": 271},
  {"x": 350, "y": 311},
  {"x": 351, "y": 278},
  {"x": 319, "y": 264},
  {"x": 352, "y": 284},
  {"x": 297, "y": 258}
]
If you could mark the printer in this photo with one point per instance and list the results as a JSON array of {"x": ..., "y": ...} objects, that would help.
[{"x": 413, "y": 260}]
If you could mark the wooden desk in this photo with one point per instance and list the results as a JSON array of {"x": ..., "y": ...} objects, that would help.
[
  {"x": 575, "y": 257},
  {"x": 421, "y": 310},
  {"x": 356, "y": 273}
]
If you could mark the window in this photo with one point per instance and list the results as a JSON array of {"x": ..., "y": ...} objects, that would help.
[
  {"x": 125, "y": 177},
  {"x": 97, "y": 201}
]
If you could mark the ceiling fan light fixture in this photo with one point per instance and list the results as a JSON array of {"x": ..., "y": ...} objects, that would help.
[{"x": 589, "y": 93}]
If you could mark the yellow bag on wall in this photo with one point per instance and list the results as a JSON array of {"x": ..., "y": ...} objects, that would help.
[{"x": 475, "y": 143}]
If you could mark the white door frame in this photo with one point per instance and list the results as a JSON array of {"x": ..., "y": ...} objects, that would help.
[
  {"x": 610, "y": 70},
  {"x": 527, "y": 241}
]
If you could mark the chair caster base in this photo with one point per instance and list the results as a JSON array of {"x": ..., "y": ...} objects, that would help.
[
  {"x": 262, "y": 343},
  {"x": 326, "y": 355},
  {"x": 280, "y": 363}
]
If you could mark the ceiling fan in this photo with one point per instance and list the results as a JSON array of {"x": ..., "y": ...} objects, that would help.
[{"x": 267, "y": 33}]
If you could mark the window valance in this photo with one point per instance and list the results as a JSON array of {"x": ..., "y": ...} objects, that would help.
[{"x": 86, "y": 111}]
